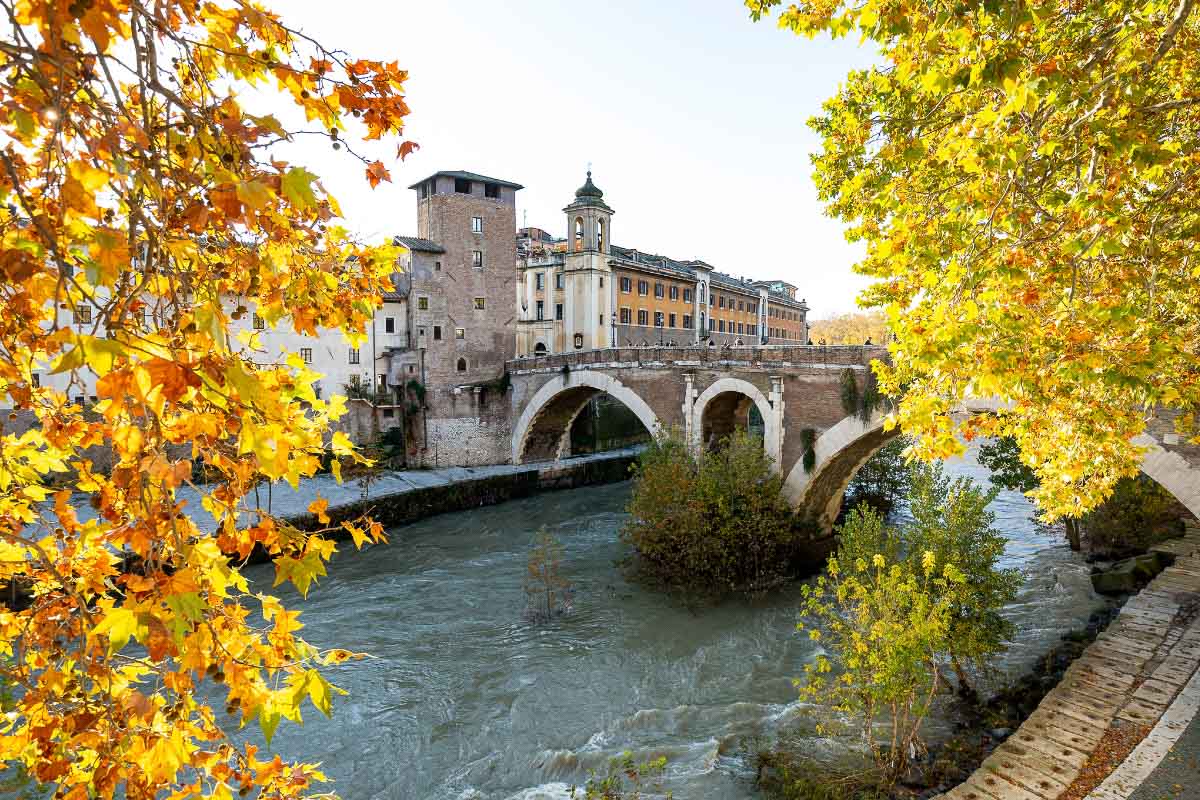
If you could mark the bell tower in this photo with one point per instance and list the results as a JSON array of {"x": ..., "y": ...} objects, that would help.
[
  {"x": 587, "y": 276},
  {"x": 589, "y": 220}
]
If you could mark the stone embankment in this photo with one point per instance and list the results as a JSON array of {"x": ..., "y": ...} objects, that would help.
[{"x": 1122, "y": 688}]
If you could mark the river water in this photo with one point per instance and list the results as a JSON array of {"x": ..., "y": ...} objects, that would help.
[{"x": 464, "y": 699}]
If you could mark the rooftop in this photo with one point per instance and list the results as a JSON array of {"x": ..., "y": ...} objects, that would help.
[
  {"x": 469, "y": 176},
  {"x": 418, "y": 244}
]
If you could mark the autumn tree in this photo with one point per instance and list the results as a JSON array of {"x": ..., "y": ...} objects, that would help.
[
  {"x": 851, "y": 328},
  {"x": 1024, "y": 178},
  {"x": 146, "y": 205}
]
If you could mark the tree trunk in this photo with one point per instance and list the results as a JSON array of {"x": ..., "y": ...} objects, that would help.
[
  {"x": 965, "y": 690},
  {"x": 1072, "y": 525}
]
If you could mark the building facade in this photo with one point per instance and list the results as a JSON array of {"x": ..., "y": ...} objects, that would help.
[{"x": 582, "y": 292}]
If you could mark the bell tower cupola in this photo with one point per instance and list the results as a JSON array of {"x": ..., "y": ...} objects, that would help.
[{"x": 589, "y": 220}]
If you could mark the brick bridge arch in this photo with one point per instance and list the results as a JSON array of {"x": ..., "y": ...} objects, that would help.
[
  {"x": 846, "y": 446},
  {"x": 702, "y": 392}
]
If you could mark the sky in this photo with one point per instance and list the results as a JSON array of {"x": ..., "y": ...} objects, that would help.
[{"x": 692, "y": 116}]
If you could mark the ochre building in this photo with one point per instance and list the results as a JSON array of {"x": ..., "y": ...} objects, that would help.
[{"x": 583, "y": 292}]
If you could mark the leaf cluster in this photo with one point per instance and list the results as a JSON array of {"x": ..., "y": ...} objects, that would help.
[
  {"x": 1023, "y": 176},
  {"x": 144, "y": 212}
]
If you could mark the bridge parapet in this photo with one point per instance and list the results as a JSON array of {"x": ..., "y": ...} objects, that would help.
[{"x": 765, "y": 357}]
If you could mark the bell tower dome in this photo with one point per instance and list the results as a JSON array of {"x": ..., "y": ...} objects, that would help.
[{"x": 589, "y": 220}]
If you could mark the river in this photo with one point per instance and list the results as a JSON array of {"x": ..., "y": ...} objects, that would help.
[{"x": 464, "y": 699}]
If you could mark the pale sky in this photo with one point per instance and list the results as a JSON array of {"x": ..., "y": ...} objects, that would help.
[{"x": 692, "y": 116}]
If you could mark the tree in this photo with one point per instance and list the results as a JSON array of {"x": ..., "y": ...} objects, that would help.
[
  {"x": 852, "y": 328},
  {"x": 1023, "y": 176},
  {"x": 714, "y": 522},
  {"x": 900, "y": 605},
  {"x": 546, "y": 590},
  {"x": 1003, "y": 457},
  {"x": 884, "y": 623},
  {"x": 950, "y": 518},
  {"x": 140, "y": 190}
]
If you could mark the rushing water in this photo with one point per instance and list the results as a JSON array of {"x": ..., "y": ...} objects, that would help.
[{"x": 463, "y": 699}]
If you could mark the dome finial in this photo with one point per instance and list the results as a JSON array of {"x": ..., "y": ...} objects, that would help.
[{"x": 589, "y": 189}]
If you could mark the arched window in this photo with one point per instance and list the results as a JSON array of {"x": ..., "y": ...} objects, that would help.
[
  {"x": 578, "y": 234},
  {"x": 462, "y": 365},
  {"x": 600, "y": 235},
  {"x": 539, "y": 349}
]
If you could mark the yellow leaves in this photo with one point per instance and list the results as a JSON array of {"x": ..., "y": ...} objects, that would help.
[
  {"x": 119, "y": 625},
  {"x": 341, "y": 444},
  {"x": 254, "y": 194},
  {"x": 296, "y": 186}
]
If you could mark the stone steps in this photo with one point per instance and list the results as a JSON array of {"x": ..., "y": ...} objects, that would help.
[{"x": 1129, "y": 675}]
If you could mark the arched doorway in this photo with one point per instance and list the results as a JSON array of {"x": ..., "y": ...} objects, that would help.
[{"x": 539, "y": 349}]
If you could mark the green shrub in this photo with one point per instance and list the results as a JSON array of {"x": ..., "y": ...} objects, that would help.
[
  {"x": 849, "y": 391},
  {"x": 899, "y": 606},
  {"x": 1139, "y": 514},
  {"x": 714, "y": 523}
]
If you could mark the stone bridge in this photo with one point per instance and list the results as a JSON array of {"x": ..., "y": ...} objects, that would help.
[{"x": 707, "y": 392}]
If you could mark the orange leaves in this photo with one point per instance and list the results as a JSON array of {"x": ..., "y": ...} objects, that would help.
[
  {"x": 406, "y": 148},
  {"x": 376, "y": 172},
  {"x": 318, "y": 507}
]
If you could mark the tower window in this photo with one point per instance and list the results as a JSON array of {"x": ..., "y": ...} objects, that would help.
[
  {"x": 389, "y": 325},
  {"x": 83, "y": 314},
  {"x": 480, "y": 303},
  {"x": 437, "y": 333},
  {"x": 491, "y": 190},
  {"x": 437, "y": 266},
  {"x": 355, "y": 355},
  {"x": 578, "y": 234},
  {"x": 558, "y": 310},
  {"x": 477, "y": 259},
  {"x": 306, "y": 354},
  {"x": 259, "y": 323},
  {"x": 476, "y": 224},
  {"x": 422, "y": 304},
  {"x": 460, "y": 333},
  {"x": 462, "y": 186},
  {"x": 462, "y": 365},
  {"x": 600, "y": 235}
]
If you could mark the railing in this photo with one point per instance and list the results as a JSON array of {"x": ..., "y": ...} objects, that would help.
[{"x": 804, "y": 355}]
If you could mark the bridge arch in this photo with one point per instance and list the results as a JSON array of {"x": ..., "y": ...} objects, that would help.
[
  {"x": 845, "y": 447},
  {"x": 543, "y": 431},
  {"x": 717, "y": 409}
]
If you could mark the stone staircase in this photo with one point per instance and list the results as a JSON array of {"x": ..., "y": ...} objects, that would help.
[{"x": 1123, "y": 682}]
